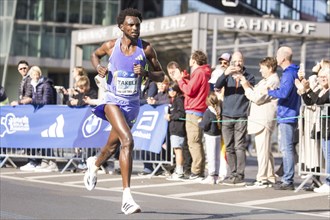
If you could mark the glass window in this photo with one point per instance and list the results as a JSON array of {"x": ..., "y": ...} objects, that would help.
[
  {"x": 106, "y": 12},
  {"x": 34, "y": 39},
  {"x": 100, "y": 13},
  {"x": 286, "y": 12},
  {"x": 49, "y": 9},
  {"x": 62, "y": 42},
  {"x": 289, "y": 3},
  {"x": 74, "y": 11},
  {"x": 273, "y": 8},
  {"x": 36, "y": 10},
  {"x": 20, "y": 42},
  {"x": 87, "y": 12},
  {"x": 61, "y": 11},
  {"x": 47, "y": 42},
  {"x": 21, "y": 9}
]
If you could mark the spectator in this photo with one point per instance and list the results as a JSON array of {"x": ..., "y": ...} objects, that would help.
[
  {"x": 23, "y": 93},
  {"x": 24, "y": 97},
  {"x": 224, "y": 61},
  {"x": 234, "y": 116},
  {"x": 310, "y": 145},
  {"x": 42, "y": 94},
  {"x": 83, "y": 91},
  {"x": 212, "y": 135},
  {"x": 320, "y": 97},
  {"x": 162, "y": 95},
  {"x": 261, "y": 121},
  {"x": 149, "y": 90},
  {"x": 196, "y": 90},
  {"x": 177, "y": 128},
  {"x": 173, "y": 67},
  {"x": 287, "y": 112},
  {"x": 77, "y": 72}
]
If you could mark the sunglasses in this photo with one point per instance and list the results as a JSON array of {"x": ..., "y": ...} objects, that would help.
[
  {"x": 170, "y": 89},
  {"x": 23, "y": 68},
  {"x": 224, "y": 62}
]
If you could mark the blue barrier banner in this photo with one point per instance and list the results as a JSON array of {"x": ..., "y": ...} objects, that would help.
[
  {"x": 60, "y": 126},
  {"x": 150, "y": 129}
]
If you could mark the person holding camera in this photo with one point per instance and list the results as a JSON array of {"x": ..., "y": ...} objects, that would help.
[{"x": 234, "y": 116}]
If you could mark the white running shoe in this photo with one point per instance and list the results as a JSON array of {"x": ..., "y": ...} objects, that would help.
[
  {"x": 176, "y": 177},
  {"x": 90, "y": 178},
  {"x": 209, "y": 180},
  {"x": 28, "y": 167},
  {"x": 325, "y": 188},
  {"x": 130, "y": 207}
]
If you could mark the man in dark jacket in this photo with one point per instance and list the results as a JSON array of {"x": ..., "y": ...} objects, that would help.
[
  {"x": 23, "y": 93},
  {"x": 234, "y": 115}
]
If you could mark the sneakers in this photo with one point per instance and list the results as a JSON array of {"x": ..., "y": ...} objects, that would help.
[
  {"x": 90, "y": 178},
  {"x": 229, "y": 181},
  {"x": 283, "y": 186},
  {"x": 176, "y": 177},
  {"x": 325, "y": 188},
  {"x": 195, "y": 177},
  {"x": 82, "y": 166},
  {"x": 28, "y": 167},
  {"x": 220, "y": 179},
  {"x": 260, "y": 184},
  {"x": 143, "y": 173},
  {"x": 130, "y": 207},
  {"x": 209, "y": 180},
  {"x": 234, "y": 180},
  {"x": 46, "y": 167}
]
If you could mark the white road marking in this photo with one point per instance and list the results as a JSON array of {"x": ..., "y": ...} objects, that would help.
[
  {"x": 235, "y": 189},
  {"x": 280, "y": 199}
]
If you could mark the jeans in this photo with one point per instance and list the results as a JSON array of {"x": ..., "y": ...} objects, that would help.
[
  {"x": 326, "y": 154},
  {"x": 287, "y": 148},
  {"x": 234, "y": 135}
]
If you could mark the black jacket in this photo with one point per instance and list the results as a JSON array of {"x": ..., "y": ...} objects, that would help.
[
  {"x": 208, "y": 123},
  {"x": 177, "y": 126},
  {"x": 235, "y": 103},
  {"x": 43, "y": 94}
]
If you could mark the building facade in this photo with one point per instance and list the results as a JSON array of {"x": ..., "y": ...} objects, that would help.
[{"x": 40, "y": 31}]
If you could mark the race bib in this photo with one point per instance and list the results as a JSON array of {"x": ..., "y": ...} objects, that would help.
[{"x": 126, "y": 83}]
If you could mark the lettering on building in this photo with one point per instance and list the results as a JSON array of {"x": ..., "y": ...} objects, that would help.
[{"x": 270, "y": 26}]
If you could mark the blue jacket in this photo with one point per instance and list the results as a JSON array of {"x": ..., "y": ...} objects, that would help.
[{"x": 288, "y": 99}]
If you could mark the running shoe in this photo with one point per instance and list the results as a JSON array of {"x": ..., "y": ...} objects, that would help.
[
  {"x": 130, "y": 207},
  {"x": 90, "y": 178}
]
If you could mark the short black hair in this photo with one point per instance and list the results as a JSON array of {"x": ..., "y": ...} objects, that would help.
[
  {"x": 22, "y": 62},
  {"x": 128, "y": 12}
]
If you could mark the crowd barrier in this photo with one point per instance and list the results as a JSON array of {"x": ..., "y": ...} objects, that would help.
[
  {"x": 314, "y": 142},
  {"x": 73, "y": 134}
]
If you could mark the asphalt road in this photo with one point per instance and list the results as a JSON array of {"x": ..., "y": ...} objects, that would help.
[{"x": 30, "y": 195}]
